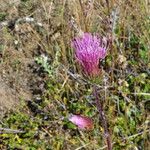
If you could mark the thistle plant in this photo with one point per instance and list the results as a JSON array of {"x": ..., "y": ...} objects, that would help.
[{"x": 89, "y": 51}]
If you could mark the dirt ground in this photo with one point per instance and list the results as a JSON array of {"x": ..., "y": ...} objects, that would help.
[
  {"x": 19, "y": 79},
  {"x": 14, "y": 80},
  {"x": 17, "y": 72}
]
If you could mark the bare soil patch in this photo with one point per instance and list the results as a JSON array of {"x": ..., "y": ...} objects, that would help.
[{"x": 15, "y": 77}]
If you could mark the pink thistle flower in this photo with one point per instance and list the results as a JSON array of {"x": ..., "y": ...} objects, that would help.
[
  {"x": 82, "y": 122},
  {"x": 89, "y": 50}
]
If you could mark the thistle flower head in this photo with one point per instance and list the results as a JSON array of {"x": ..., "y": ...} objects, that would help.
[
  {"x": 82, "y": 122},
  {"x": 89, "y": 50}
]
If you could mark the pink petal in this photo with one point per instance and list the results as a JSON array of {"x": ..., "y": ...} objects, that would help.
[{"x": 82, "y": 121}]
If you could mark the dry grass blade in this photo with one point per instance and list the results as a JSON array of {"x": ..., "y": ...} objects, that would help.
[{"x": 6, "y": 130}]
